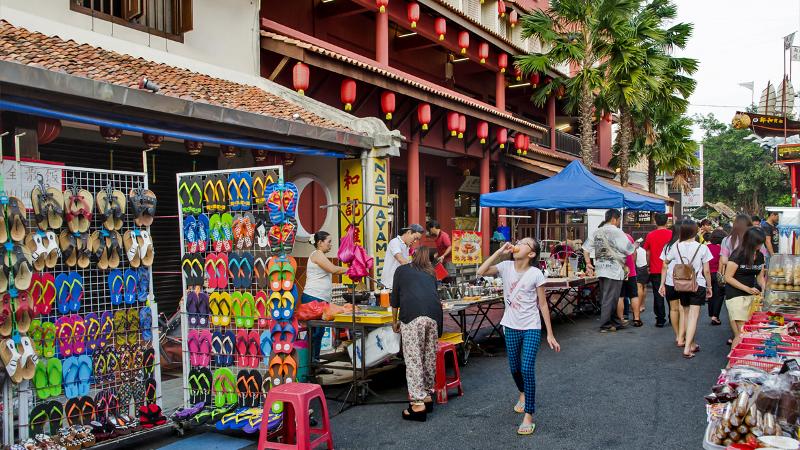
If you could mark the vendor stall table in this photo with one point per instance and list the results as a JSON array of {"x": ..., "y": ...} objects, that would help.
[
  {"x": 563, "y": 293},
  {"x": 478, "y": 313}
]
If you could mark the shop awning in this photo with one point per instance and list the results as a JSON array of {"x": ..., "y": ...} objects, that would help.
[
  {"x": 572, "y": 188},
  {"x": 140, "y": 125}
]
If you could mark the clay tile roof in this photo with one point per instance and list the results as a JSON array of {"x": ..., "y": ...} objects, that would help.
[{"x": 36, "y": 49}]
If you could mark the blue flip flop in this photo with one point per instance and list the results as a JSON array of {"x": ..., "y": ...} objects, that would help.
[
  {"x": 190, "y": 233},
  {"x": 146, "y": 323},
  {"x": 143, "y": 290},
  {"x": 116, "y": 286},
  {"x": 76, "y": 291},
  {"x": 202, "y": 232},
  {"x": 84, "y": 374},
  {"x": 234, "y": 265},
  {"x": 233, "y": 192},
  {"x": 245, "y": 184},
  {"x": 266, "y": 345},
  {"x": 216, "y": 347},
  {"x": 228, "y": 340},
  {"x": 63, "y": 287},
  {"x": 131, "y": 284},
  {"x": 69, "y": 371}
]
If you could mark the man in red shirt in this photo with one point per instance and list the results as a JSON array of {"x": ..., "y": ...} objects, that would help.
[
  {"x": 654, "y": 243},
  {"x": 444, "y": 248}
]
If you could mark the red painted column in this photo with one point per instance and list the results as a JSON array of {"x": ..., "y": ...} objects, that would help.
[
  {"x": 382, "y": 38},
  {"x": 501, "y": 186},
  {"x": 604, "y": 142},
  {"x": 793, "y": 181},
  {"x": 413, "y": 180},
  {"x": 551, "y": 120},
  {"x": 500, "y": 92},
  {"x": 486, "y": 233}
]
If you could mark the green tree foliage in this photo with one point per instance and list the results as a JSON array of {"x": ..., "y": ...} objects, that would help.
[{"x": 738, "y": 172}]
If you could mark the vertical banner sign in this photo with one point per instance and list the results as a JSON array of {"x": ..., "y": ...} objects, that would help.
[
  {"x": 379, "y": 217},
  {"x": 466, "y": 247},
  {"x": 351, "y": 187}
]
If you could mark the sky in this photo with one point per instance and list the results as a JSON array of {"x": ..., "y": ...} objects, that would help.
[{"x": 737, "y": 41}]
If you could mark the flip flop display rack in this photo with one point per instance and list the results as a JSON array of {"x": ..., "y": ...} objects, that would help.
[
  {"x": 77, "y": 311},
  {"x": 238, "y": 229}
]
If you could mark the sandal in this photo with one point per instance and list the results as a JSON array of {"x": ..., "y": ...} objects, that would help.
[
  {"x": 526, "y": 429},
  {"x": 209, "y": 194},
  {"x": 689, "y": 356},
  {"x": 17, "y": 217},
  {"x": 143, "y": 202},
  {"x": 637, "y": 323},
  {"x": 519, "y": 407},
  {"x": 258, "y": 189},
  {"x": 221, "y": 193},
  {"x": 79, "y": 205},
  {"x": 716, "y": 322},
  {"x": 69, "y": 248},
  {"x": 146, "y": 249},
  {"x": 414, "y": 416},
  {"x": 34, "y": 242},
  {"x": 84, "y": 251},
  {"x": 131, "y": 244}
]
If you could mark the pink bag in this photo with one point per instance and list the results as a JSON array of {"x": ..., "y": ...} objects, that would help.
[
  {"x": 361, "y": 266},
  {"x": 347, "y": 246}
]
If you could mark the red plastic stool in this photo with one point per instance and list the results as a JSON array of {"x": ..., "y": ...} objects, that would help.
[
  {"x": 296, "y": 398},
  {"x": 444, "y": 382}
]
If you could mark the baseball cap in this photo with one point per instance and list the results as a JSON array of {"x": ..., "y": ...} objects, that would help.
[{"x": 414, "y": 228}]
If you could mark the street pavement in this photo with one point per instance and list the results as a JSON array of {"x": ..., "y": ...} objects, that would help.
[{"x": 626, "y": 390}]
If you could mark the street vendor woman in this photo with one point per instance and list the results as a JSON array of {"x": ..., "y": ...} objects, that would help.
[
  {"x": 524, "y": 296},
  {"x": 398, "y": 252}
]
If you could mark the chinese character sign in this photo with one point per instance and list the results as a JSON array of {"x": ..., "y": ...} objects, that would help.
[
  {"x": 466, "y": 247},
  {"x": 351, "y": 187},
  {"x": 379, "y": 217}
]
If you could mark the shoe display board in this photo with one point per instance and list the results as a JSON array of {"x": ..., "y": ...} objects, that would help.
[
  {"x": 78, "y": 318},
  {"x": 238, "y": 327}
]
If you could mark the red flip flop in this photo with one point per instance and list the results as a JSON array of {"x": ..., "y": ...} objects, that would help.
[
  {"x": 241, "y": 348},
  {"x": 211, "y": 270}
]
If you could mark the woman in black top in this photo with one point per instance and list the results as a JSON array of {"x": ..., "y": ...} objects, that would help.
[
  {"x": 744, "y": 278},
  {"x": 414, "y": 293}
]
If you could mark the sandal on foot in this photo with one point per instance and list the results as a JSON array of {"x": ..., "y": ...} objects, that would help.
[
  {"x": 519, "y": 407},
  {"x": 414, "y": 416},
  {"x": 526, "y": 429}
]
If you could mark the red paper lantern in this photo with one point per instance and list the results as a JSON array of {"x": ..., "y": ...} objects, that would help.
[
  {"x": 412, "y": 11},
  {"x": 193, "y": 148},
  {"x": 229, "y": 151},
  {"x": 300, "y": 77},
  {"x": 452, "y": 123},
  {"x": 527, "y": 145},
  {"x": 152, "y": 141},
  {"x": 348, "y": 93},
  {"x": 502, "y": 62},
  {"x": 47, "y": 130},
  {"x": 501, "y": 8},
  {"x": 483, "y": 131},
  {"x": 462, "y": 125},
  {"x": 535, "y": 79},
  {"x": 483, "y": 52},
  {"x": 513, "y": 18},
  {"x": 382, "y": 4},
  {"x": 110, "y": 134},
  {"x": 440, "y": 27},
  {"x": 463, "y": 41},
  {"x": 502, "y": 137},
  {"x": 424, "y": 115},
  {"x": 387, "y": 103},
  {"x": 519, "y": 142},
  {"x": 517, "y": 73}
]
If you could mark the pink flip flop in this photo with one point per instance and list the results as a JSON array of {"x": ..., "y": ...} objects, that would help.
[
  {"x": 193, "y": 344},
  {"x": 204, "y": 348}
]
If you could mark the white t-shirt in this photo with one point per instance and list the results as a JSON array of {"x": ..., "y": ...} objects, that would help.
[
  {"x": 641, "y": 257},
  {"x": 687, "y": 249},
  {"x": 522, "y": 311},
  {"x": 390, "y": 264}
]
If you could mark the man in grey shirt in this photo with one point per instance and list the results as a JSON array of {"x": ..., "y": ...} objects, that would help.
[{"x": 610, "y": 246}]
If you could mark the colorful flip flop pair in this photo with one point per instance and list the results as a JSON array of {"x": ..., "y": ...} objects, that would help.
[
  {"x": 240, "y": 268},
  {"x": 197, "y": 309},
  {"x": 42, "y": 292},
  {"x": 263, "y": 224},
  {"x": 262, "y": 309},
  {"x": 239, "y": 419},
  {"x": 46, "y": 413},
  {"x": 190, "y": 194},
  {"x": 215, "y": 193},
  {"x": 196, "y": 233},
  {"x": 240, "y": 190},
  {"x": 283, "y": 335},
  {"x": 43, "y": 337},
  {"x": 200, "y": 380},
  {"x": 192, "y": 268},
  {"x": 281, "y": 200},
  {"x": 244, "y": 229},
  {"x": 126, "y": 326},
  {"x": 223, "y": 346},
  {"x": 216, "y": 268},
  {"x": 281, "y": 272},
  {"x": 281, "y": 237},
  {"x": 80, "y": 411},
  {"x": 220, "y": 305},
  {"x": 71, "y": 334},
  {"x": 69, "y": 289},
  {"x": 282, "y": 369},
  {"x": 248, "y": 351},
  {"x": 138, "y": 246},
  {"x": 224, "y": 388},
  {"x": 274, "y": 423},
  {"x": 48, "y": 377},
  {"x": 220, "y": 230},
  {"x": 282, "y": 304},
  {"x": 243, "y": 308},
  {"x": 248, "y": 386},
  {"x": 76, "y": 375},
  {"x": 199, "y": 344}
]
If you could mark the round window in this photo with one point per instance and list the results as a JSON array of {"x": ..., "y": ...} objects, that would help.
[{"x": 310, "y": 217}]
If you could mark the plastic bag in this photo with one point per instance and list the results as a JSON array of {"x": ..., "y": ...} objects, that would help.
[
  {"x": 361, "y": 266},
  {"x": 310, "y": 311},
  {"x": 347, "y": 246},
  {"x": 331, "y": 310}
]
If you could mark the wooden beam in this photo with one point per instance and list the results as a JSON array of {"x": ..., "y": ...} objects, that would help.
[
  {"x": 317, "y": 86},
  {"x": 412, "y": 43},
  {"x": 334, "y": 10},
  {"x": 399, "y": 119},
  {"x": 364, "y": 100},
  {"x": 278, "y": 68}
]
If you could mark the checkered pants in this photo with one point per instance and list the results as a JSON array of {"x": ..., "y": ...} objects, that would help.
[
  {"x": 420, "y": 341},
  {"x": 522, "y": 347}
]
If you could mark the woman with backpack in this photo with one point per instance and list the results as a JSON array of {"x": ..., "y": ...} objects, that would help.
[
  {"x": 688, "y": 275},
  {"x": 673, "y": 302},
  {"x": 744, "y": 277}
]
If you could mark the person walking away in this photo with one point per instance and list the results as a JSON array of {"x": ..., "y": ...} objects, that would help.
[
  {"x": 319, "y": 284},
  {"x": 688, "y": 276},
  {"x": 525, "y": 309},
  {"x": 417, "y": 316},
  {"x": 770, "y": 227},
  {"x": 717, "y": 283},
  {"x": 629, "y": 290},
  {"x": 399, "y": 252},
  {"x": 642, "y": 274},
  {"x": 654, "y": 244},
  {"x": 704, "y": 233},
  {"x": 744, "y": 278},
  {"x": 610, "y": 247},
  {"x": 673, "y": 302},
  {"x": 755, "y": 221},
  {"x": 444, "y": 249}
]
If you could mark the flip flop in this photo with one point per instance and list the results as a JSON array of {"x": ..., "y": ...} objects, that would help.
[
  {"x": 286, "y": 333},
  {"x": 254, "y": 382},
  {"x": 233, "y": 191},
  {"x": 228, "y": 345},
  {"x": 76, "y": 291},
  {"x": 221, "y": 270},
  {"x": 225, "y": 421},
  {"x": 190, "y": 233},
  {"x": 248, "y": 310},
  {"x": 261, "y": 309},
  {"x": 131, "y": 283},
  {"x": 196, "y": 189},
  {"x": 78, "y": 334},
  {"x": 70, "y": 379},
  {"x": 146, "y": 325},
  {"x": 245, "y": 190},
  {"x": 36, "y": 293},
  {"x": 17, "y": 219},
  {"x": 253, "y": 348},
  {"x": 289, "y": 299},
  {"x": 35, "y": 332},
  {"x": 24, "y": 313},
  {"x": 202, "y": 232},
  {"x": 224, "y": 387},
  {"x": 260, "y": 273},
  {"x": 275, "y": 305},
  {"x": 241, "y": 348},
  {"x": 193, "y": 344},
  {"x": 241, "y": 387},
  {"x": 275, "y": 365},
  {"x": 216, "y": 347},
  {"x": 49, "y": 293},
  {"x": 149, "y": 362},
  {"x": 38, "y": 418},
  {"x": 120, "y": 327},
  {"x": 92, "y": 332},
  {"x": 290, "y": 198},
  {"x": 209, "y": 194},
  {"x": 100, "y": 362},
  {"x": 205, "y": 338},
  {"x": 185, "y": 196},
  {"x": 213, "y": 307},
  {"x": 226, "y": 221},
  {"x": 63, "y": 286},
  {"x": 265, "y": 342},
  {"x": 40, "y": 382},
  {"x": 221, "y": 192},
  {"x": 288, "y": 270},
  {"x": 275, "y": 238},
  {"x": 526, "y": 429},
  {"x": 190, "y": 278},
  {"x": 236, "y": 308},
  {"x": 210, "y": 268},
  {"x": 238, "y": 231},
  {"x": 225, "y": 306},
  {"x": 235, "y": 269},
  {"x": 56, "y": 414},
  {"x": 274, "y": 201},
  {"x": 215, "y": 232},
  {"x": 143, "y": 290},
  {"x": 258, "y": 189},
  {"x": 192, "y": 309},
  {"x": 274, "y": 273},
  {"x": 49, "y": 335},
  {"x": 146, "y": 249},
  {"x": 84, "y": 374},
  {"x": 133, "y": 326},
  {"x": 288, "y": 233},
  {"x": 106, "y": 330},
  {"x": 263, "y": 225},
  {"x": 289, "y": 369},
  {"x": 54, "y": 376}
]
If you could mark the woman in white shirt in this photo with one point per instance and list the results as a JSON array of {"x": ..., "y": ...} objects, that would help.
[
  {"x": 524, "y": 296},
  {"x": 690, "y": 252},
  {"x": 319, "y": 281}
]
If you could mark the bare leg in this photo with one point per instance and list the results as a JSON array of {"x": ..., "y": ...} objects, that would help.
[
  {"x": 621, "y": 309},
  {"x": 691, "y": 314},
  {"x": 684, "y": 314},
  {"x": 528, "y": 419},
  {"x": 675, "y": 320},
  {"x": 736, "y": 325},
  {"x": 642, "y": 295},
  {"x": 636, "y": 303}
]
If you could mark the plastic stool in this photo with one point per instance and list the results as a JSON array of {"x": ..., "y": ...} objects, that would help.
[
  {"x": 296, "y": 398},
  {"x": 443, "y": 382}
]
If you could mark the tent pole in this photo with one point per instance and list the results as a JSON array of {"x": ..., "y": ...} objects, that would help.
[{"x": 538, "y": 229}]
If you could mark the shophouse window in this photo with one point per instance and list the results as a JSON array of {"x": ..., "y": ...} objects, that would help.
[
  {"x": 399, "y": 187},
  {"x": 466, "y": 204},
  {"x": 430, "y": 200},
  {"x": 165, "y": 18}
]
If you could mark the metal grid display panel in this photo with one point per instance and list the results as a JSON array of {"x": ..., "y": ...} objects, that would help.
[
  {"x": 253, "y": 288},
  {"x": 96, "y": 292}
]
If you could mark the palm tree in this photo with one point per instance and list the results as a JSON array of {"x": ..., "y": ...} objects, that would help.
[
  {"x": 579, "y": 34},
  {"x": 673, "y": 151}
]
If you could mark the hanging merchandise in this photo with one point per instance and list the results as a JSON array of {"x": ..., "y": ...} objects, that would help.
[
  {"x": 77, "y": 309},
  {"x": 237, "y": 230}
]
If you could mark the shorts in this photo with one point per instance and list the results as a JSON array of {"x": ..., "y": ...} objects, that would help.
[
  {"x": 642, "y": 275},
  {"x": 739, "y": 307},
  {"x": 629, "y": 288},
  {"x": 687, "y": 298}
]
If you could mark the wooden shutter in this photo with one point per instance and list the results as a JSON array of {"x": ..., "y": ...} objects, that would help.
[
  {"x": 183, "y": 16},
  {"x": 132, "y": 9}
]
